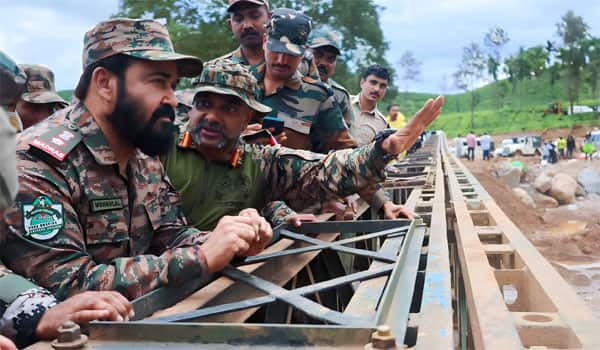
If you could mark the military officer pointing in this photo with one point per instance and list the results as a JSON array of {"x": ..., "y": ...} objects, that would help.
[
  {"x": 217, "y": 175},
  {"x": 95, "y": 210}
]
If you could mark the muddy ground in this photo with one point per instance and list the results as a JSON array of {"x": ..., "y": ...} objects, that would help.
[{"x": 569, "y": 235}]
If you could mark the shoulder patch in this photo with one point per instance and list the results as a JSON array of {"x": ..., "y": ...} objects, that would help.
[
  {"x": 42, "y": 219},
  {"x": 58, "y": 141}
]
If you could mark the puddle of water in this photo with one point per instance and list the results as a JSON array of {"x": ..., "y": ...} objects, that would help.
[{"x": 589, "y": 293}]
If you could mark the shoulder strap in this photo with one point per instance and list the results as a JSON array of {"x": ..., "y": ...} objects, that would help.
[{"x": 58, "y": 141}]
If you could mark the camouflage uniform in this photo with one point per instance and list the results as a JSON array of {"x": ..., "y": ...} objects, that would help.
[
  {"x": 313, "y": 120},
  {"x": 40, "y": 87},
  {"x": 367, "y": 124},
  {"x": 213, "y": 189},
  {"x": 22, "y": 303},
  {"x": 320, "y": 38},
  {"x": 12, "y": 85},
  {"x": 81, "y": 223},
  {"x": 8, "y": 170}
]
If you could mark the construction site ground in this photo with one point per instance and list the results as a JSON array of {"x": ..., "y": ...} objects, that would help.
[{"x": 569, "y": 235}]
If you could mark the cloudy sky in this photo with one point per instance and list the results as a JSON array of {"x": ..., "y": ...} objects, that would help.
[{"x": 51, "y": 31}]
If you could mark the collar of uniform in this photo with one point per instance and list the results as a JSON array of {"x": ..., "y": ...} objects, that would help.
[
  {"x": 374, "y": 112},
  {"x": 93, "y": 137},
  {"x": 238, "y": 57},
  {"x": 294, "y": 83}
]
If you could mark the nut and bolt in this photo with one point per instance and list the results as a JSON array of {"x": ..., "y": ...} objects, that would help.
[
  {"x": 69, "y": 337},
  {"x": 382, "y": 338}
]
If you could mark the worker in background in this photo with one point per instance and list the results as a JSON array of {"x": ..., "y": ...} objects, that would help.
[
  {"x": 471, "y": 144},
  {"x": 486, "y": 144},
  {"x": 395, "y": 118},
  {"x": 561, "y": 145}
]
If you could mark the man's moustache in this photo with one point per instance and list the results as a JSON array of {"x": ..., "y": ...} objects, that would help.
[{"x": 322, "y": 69}]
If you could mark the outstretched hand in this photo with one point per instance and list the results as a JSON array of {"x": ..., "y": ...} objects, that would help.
[{"x": 404, "y": 138}]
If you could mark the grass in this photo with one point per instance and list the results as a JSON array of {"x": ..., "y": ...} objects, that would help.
[{"x": 520, "y": 107}]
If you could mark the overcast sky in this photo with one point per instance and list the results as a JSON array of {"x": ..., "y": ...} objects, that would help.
[{"x": 51, "y": 32}]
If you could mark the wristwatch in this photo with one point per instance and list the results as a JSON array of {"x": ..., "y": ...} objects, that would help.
[{"x": 379, "y": 137}]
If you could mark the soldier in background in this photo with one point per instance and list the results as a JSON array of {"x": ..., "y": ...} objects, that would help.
[
  {"x": 40, "y": 99},
  {"x": 325, "y": 47},
  {"x": 95, "y": 210},
  {"x": 247, "y": 20},
  {"x": 313, "y": 121}
]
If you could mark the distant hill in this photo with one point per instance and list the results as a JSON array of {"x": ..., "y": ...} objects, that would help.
[
  {"x": 522, "y": 107},
  {"x": 66, "y": 94}
]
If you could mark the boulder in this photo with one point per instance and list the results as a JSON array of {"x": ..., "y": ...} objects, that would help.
[
  {"x": 543, "y": 201},
  {"x": 543, "y": 182},
  {"x": 563, "y": 188},
  {"x": 589, "y": 180},
  {"x": 524, "y": 197},
  {"x": 508, "y": 173}
]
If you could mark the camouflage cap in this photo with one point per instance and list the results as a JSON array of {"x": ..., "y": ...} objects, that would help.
[
  {"x": 140, "y": 38},
  {"x": 229, "y": 78},
  {"x": 287, "y": 32},
  {"x": 322, "y": 37},
  {"x": 12, "y": 80},
  {"x": 233, "y": 4},
  {"x": 40, "y": 85}
]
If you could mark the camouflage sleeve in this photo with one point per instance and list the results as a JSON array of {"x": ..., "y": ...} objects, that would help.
[
  {"x": 302, "y": 178},
  {"x": 62, "y": 263},
  {"x": 20, "y": 318},
  {"x": 276, "y": 212},
  {"x": 329, "y": 130},
  {"x": 22, "y": 305}
]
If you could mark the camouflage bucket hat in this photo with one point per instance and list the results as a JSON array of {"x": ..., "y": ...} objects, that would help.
[
  {"x": 40, "y": 88},
  {"x": 233, "y": 4},
  {"x": 287, "y": 32},
  {"x": 140, "y": 38},
  {"x": 321, "y": 37},
  {"x": 229, "y": 78},
  {"x": 12, "y": 80}
]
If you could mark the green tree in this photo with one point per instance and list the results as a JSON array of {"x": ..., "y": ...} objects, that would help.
[
  {"x": 591, "y": 48},
  {"x": 573, "y": 30},
  {"x": 201, "y": 29}
]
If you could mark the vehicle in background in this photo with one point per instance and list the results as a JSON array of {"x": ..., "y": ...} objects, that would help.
[
  {"x": 520, "y": 146},
  {"x": 595, "y": 136}
]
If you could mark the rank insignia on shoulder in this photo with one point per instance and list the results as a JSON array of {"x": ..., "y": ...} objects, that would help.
[
  {"x": 57, "y": 142},
  {"x": 42, "y": 219}
]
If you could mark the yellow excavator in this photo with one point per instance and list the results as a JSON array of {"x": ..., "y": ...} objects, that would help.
[{"x": 555, "y": 108}]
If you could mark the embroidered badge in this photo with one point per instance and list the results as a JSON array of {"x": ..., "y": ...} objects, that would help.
[{"x": 42, "y": 219}]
